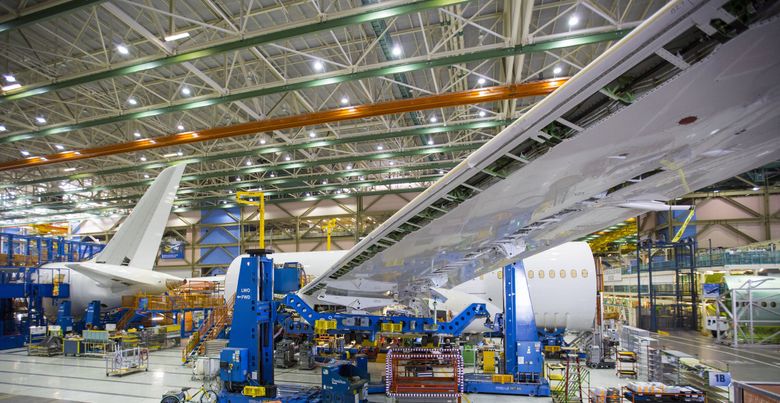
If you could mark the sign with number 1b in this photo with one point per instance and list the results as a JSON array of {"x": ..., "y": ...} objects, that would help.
[{"x": 720, "y": 378}]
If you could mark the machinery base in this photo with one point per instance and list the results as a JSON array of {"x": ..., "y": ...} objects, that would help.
[{"x": 483, "y": 383}]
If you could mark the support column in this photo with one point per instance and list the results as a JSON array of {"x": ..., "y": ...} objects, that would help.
[
  {"x": 522, "y": 350},
  {"x": 358, "y": 219}
]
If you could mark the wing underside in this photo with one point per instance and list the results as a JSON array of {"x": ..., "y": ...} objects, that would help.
[{"x": 524, "y": 192}]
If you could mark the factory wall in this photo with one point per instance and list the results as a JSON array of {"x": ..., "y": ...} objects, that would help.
[
  {"x": 738, "y": 220},
  {"x": 211, "y": 238},
  {"x": 722, "y": 220}
]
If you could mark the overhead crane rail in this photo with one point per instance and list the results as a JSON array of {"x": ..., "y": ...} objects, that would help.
[{"x": 487, "y": 94}]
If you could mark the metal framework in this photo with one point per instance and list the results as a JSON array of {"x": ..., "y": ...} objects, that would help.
[{"x": 101, "y": 74}]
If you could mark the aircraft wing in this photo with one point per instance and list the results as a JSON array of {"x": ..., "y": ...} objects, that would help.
[
  {"x": 111, "y": 276},
  {"x": 525, "y": 191}
]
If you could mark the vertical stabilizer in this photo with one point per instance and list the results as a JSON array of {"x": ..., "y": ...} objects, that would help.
[{"x": 138, "y": 239}]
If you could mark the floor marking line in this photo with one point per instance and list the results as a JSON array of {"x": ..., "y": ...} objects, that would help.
[
  {"x": 113, "y": 380},
  {"x": 722, "y": 352},
  {"x": 77, "y": 390},
  {"x": 64, "y": 363}
]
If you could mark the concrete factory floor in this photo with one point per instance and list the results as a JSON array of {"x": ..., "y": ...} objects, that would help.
[
  {"x": 59, "y": 379},
  {"x": 744, "y": 363}
]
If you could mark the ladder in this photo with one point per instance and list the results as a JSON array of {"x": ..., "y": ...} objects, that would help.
[
  {"x": 574, "y": 385},
  {"x": 210, "y": 329}
]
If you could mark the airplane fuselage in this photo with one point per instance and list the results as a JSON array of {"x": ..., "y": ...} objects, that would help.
[{"x": 84, "y": 290}]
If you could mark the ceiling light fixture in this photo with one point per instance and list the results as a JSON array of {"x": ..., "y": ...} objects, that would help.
[
  {"x": 180, "y": 127},
  {"x": 433, "y": 119},
  {"x": 69, "y": 169},
  {"x": 482, "y": 114},
  {"x": 430, "y": 142},
  {"x": 59, "y": 146},
  {"x": 122, "y": 49},
  {"x": 557, "y": 70},
  {"x": 318, "y": 66},
  {"x": 146, "y": 176},
  {"x": 481, "y": 81},
  {"x": 574, "y": 20},
  {"x": 25, "y": 152},
  {"x": 143, "y": 158},
  {"x": 3, "y": 128},
  {"x": 176, "y": 36},
  {"x": 248, "y": 163},
  {"x": 380, "y": 147},
  {"x": 397, "y": 51},
  {"x": 312, "y": 134},
  {"x": 132, "y": 101},
  {"x": 344, "y": 100},
  {"x": 349, "y": 166},
  {"x": 10, "y": 78},
  {"x": 186, "y": 91},
  {"x": 137, "y": 134}
]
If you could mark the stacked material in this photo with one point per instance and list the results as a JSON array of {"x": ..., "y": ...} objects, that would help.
[
  {"x": 660, "y": 388},
  {"x": 649, "y": 387},
  {"x": 214, "y": 347},
  {"x": 648, "y": 355},
  {"x": 601, "y": 394}
]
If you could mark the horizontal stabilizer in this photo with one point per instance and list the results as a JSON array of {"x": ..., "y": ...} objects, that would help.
[{"x": 111, "y": 276}]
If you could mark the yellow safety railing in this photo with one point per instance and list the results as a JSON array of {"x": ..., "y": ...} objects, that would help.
[{"x": 245, "y": 198}]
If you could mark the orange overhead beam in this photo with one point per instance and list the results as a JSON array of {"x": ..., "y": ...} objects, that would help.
[{"x": 476, "y": 96}]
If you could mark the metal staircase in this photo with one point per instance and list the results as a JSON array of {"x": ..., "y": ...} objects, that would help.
[
  {"x": 125, "y": 319},
  {"x": 210, "y": 329}
]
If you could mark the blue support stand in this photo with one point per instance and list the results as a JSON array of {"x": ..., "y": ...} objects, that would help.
[
  {"x": 248, "y": 360},
  {"x": 523, "y": 357},
  {"x": 64, "y": 318},
  {"x": 92, "y": 315}
]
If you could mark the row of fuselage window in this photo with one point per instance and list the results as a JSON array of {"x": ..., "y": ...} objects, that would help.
[{"x": 551, "y": 274}]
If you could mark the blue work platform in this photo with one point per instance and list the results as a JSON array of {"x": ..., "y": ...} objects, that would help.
[{"x": 24, "y": 282}]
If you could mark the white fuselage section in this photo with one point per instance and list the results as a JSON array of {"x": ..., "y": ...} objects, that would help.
[
  {"x": 84, "y": 289},
  {"x": 561, "y": 281},
  {"x": 559, "y": 301}
]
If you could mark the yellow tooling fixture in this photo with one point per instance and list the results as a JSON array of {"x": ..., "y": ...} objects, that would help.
[
  {"x": 246, "y": 198},
  {"x": 321, "y": 326},
  {"x": 329, "y": 226},
  {"x": 601, "y": 244},
  {"x": 488, "y": 361},
  {"x": 253, "y": 391},
  {"x": 679, "y": 233}
]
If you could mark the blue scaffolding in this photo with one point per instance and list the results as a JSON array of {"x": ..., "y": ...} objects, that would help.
[{"x": 24, "y": 282}]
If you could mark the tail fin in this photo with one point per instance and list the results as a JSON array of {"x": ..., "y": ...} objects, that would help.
[{"x": 138, "y": 239}]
